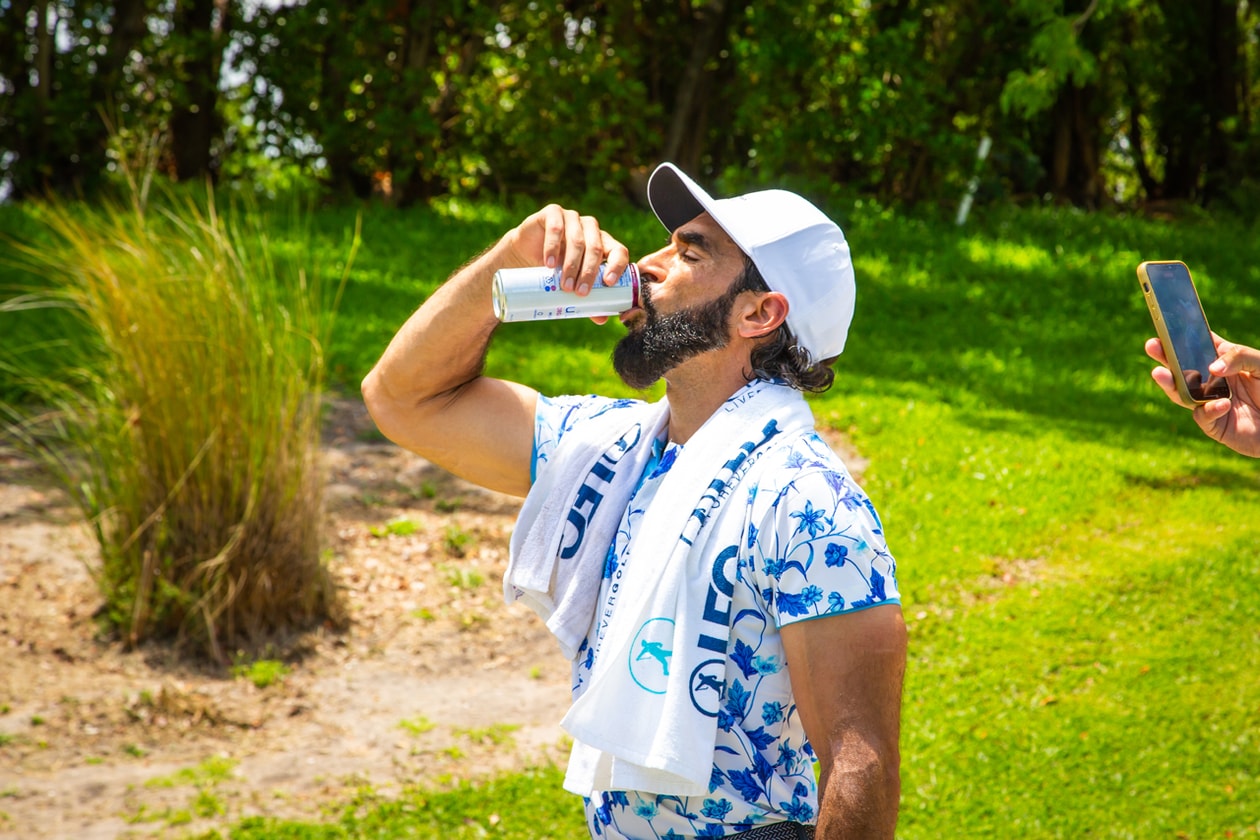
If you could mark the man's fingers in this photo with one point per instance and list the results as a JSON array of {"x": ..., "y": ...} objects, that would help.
[
  {"x": 574, "y": 250},
  {"x": 616, "y": 255},
  {"x": 1210, "y": 417},
  {"x": 1235, "y": 359},
  {"x": 593, "y": 254},
  {"x": 1155, "y": 349},
  {"x": 553, "y": 235},
  {"x": 572, "y": 243},
  {"x": 1214, "y": 410},
  {"x": 1164, "y": 379}
]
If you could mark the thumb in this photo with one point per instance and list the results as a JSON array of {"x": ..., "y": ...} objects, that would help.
[
  {"x": 1215, "y": 409},
  {"x": 1235, "y": 359}
]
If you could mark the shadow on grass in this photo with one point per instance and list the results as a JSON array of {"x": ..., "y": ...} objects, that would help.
[
  {"x": 1244, "y": 479},
  {"x": 1010, "y": 320}
]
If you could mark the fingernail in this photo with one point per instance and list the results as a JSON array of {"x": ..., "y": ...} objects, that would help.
[
  {"x": 583, "y": 289},
  {"x": 551, "y": 262}
]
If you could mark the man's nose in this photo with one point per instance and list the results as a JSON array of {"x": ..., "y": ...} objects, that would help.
[{"x": 652, "y": 267}]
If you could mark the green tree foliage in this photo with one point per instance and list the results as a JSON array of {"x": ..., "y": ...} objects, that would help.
[
  {"x": 561, "y": 100},
  {"x": 451, "y": 96},
  {"x": 888, "y": 99},
  {"x": 1089, "y": 102},
  {"x": 79, "y": 78},
  {"x": 61, "y": 67},
  {"x": 368, "y": 88}
]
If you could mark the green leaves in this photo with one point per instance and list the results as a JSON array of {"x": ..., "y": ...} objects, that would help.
[
  {"x": 1057, "y": 57},
  {"x": 1092, "y": 101}
]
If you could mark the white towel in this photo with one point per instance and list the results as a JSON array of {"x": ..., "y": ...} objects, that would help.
[
  {"x": 630, "y": 734},
  {"x": 571, "y": 513}
]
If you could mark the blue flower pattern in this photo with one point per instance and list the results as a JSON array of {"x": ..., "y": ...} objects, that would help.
[{"x": 814, "y": 547}]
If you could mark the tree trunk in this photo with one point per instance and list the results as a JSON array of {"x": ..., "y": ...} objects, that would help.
[
  {"x": 1074, "y": 151},
  {"x": 1151, "y": 188},
  {"x": 1200, "y": 96},
  {"x": 13, "y": 66},
  {"x": 684, "y": 144},
  {"x": 411, "y": 182},
  {"x": 41, "y": 128},
  {"x": 128, "y": 28},
  {"x": 194, "y": 123},
  {"x": 1222, "y": 98}
]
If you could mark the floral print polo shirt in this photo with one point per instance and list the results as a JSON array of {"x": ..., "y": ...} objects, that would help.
[{"x": 814, "y": 547}]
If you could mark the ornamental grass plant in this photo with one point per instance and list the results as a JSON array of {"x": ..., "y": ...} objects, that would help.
[{"x": 182, "y": 411}]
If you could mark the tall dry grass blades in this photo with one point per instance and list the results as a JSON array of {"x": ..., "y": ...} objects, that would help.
[{"x": 186, "y": 419}]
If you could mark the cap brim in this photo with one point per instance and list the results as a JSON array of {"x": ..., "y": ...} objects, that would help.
[{"x": 675, "y": 198}]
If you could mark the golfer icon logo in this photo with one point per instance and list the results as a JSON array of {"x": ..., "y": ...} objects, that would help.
[
  {"x": 650, "y": 655},
  {"x": 708, "y": 687}
]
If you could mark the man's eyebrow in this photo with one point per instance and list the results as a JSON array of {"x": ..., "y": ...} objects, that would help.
[{"x": 695, "y": 239}]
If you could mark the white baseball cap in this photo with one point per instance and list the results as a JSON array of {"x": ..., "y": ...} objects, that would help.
[{"x": 798, "y": 250}]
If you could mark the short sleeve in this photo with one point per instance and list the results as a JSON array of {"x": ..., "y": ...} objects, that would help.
[{"x": 816, "y": 547}]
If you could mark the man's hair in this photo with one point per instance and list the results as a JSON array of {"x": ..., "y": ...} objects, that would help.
[{"x": 778, "y": 356}]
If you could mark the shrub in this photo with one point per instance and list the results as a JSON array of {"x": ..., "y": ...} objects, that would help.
[{"x": 184, "y": 420}]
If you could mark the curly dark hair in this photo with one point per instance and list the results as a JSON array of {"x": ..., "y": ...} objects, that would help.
[{"x": 779, "y": 357}]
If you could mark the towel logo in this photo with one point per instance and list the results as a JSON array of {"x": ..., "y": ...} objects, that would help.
[
  {"x": 651, "y": 653},
  {"x": 719, "y": 488},
  {"x": 717, "y": 602},
  {"x": 591, "y": 493},
  {"x": 707, "y": 689}
]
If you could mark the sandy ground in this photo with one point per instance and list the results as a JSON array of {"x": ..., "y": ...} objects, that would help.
[{"x": 433, "y": 679}]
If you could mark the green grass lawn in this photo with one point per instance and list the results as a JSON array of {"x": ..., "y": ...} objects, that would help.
[{"x": 1079, "y": 565}]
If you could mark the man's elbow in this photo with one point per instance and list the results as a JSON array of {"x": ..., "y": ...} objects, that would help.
[
  {"x": 875, "y": 770},
  {"x": 383, "y": 405},
  {"x": 412, "y": 418},
  {"x": 861, "y": 791},
  {"x": 373, "y": 393}
]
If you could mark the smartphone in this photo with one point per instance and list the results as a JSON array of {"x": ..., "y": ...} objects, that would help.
[{"x": 1182, "y": 328}]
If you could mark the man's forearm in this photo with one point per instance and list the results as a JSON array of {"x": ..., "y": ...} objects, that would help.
[
  {"x": 859, "y": 797},
  {"x": 443, "y": 344}
]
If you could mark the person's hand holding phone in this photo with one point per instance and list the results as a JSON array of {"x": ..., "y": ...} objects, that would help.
[{"x": 1235, "y": 421}]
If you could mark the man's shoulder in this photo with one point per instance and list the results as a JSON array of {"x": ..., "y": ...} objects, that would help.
[
  {"x": 556, "y": 416},
  {"x": 563, "y": 411},
  {"x": 804, "y": 472},
  {"x": 800, "y": 455}
]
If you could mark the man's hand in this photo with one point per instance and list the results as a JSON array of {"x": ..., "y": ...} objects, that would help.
[
  {"x": 1234, "y": 422},
  {"x": 556, "y": 237}
]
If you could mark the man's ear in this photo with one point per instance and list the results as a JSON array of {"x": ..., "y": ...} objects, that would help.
[{"x": 761, "y": 314}]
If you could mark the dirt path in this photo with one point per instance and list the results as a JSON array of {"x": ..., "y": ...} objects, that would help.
[{"x": 434, "y": 679}]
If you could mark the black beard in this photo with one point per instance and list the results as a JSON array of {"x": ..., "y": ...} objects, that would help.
[{"x": 647, "y": 353}]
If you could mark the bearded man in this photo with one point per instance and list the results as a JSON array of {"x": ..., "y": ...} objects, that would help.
[{"x": 718, "y": 580}]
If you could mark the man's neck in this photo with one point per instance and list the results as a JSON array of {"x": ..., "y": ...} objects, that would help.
[{"x": 695, "y": 392}]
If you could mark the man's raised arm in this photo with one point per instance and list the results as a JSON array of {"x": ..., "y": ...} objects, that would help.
[{"x": 427, "y": 392}]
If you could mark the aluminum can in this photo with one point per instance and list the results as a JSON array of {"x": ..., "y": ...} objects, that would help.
[{"x": 534, "y": 294}]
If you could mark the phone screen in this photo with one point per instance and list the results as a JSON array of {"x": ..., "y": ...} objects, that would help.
[{"x": 1187, "y": 328}]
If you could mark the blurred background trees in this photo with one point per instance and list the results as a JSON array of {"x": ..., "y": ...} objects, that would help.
[{"x": 1087, "y": 102}]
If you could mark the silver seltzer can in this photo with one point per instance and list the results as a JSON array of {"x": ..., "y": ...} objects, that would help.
[{"x": 534, "y": 294}]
